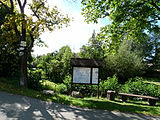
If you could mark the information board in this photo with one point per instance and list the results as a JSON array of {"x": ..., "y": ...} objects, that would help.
[
  {"x": 81, "y": 75},
  {"x": 85, "y": 71}
]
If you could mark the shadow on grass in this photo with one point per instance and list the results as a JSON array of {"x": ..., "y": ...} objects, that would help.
[
  {"x": 123, "y": 107},
  {"x": 128, "y": 107}
]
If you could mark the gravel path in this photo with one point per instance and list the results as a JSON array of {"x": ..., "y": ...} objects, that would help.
[{"x": 16, "y": 107}]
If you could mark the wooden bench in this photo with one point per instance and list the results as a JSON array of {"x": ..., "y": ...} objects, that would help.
[{"x": 151, "y": 100}]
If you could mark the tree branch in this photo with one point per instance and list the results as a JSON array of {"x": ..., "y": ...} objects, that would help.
[
  {"x": 31, "y": 43},
  {"x": 157, "y": 17},
  {"x": 25, "y": 1},
  {"x": 35, "y": 11},
  {"x": 154, "y": 4},
  {"x": 17, "y": 32},
  {"x": 12, "y": 6},
  {"x": 20, "y": 6}
]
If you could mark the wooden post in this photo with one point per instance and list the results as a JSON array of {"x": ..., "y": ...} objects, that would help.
[
  {"x": 71, "y": 90},
  {"x": 71, "y": 82},
  {"x": 98, "y": 91}
]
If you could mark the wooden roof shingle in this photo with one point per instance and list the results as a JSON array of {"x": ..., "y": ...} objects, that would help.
[{"x": 83, "y": 62}]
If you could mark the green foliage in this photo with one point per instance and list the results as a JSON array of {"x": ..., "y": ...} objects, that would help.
[
  {"x": 54, "y": 70},
  {"x": 9, "y": 63},
  {"x": 110, "y": 84},
  {"x": 67, "y": 81},
  {"x": 56, "y": 65},
  {"x": 93, "y": 49},
  {"x": 9, "y": 57},
  {"x": 85, "y": 90},
  {"x": 57, "y": 88},
  {"x": 34, "y": 77},
  {"x": 10, "y": 80},
  {"x": 130, "y": 19},
  {"x": 137, "y": 86},
  {"x": 125, "y": 64}
]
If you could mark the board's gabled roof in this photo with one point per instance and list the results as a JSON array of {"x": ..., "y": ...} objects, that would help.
[{"x": 83, "y": 62}]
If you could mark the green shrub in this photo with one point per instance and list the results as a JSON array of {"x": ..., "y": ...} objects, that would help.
[
  {"x": 125, "y": 64},
  {"x": 61, "y": 88},
  {"x": 109, "y": 84},
  {"x": 34, "y": 77},
  {"x": 137, "y": 86},
  {"x": 153, "y": 90},
  {"x": 67, "y": 82},
  {"x": 85, "y": 90},
  {"x": 57, "y": 88},
  {"x": 10, "y": 80}
]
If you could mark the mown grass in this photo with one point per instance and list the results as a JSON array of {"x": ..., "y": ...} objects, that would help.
[
  {"x": 102, "y": 103},
  {"x": 153, "y": 80}
]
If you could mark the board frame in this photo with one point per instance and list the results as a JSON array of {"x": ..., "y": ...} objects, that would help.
[{"x": 86, "y": 63}]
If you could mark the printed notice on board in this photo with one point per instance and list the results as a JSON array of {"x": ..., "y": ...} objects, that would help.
[
  {"x": 95, "y": 76},
  {"x": 81, "y": 75}
]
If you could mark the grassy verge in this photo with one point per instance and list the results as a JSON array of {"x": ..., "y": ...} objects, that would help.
[
  {"x": 155, "y": 81},
  {"x": 102, "y": 103}
]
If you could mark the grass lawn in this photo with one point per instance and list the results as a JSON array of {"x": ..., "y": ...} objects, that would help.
[
  {"x": 102, "y": 103},
  {"x": 155, "y": 80}
]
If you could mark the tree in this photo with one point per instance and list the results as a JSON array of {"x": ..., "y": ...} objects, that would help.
[
  {"x": 131, "y": 19},
  {"x": 55, "y": 66},
  {"x": 66, "y": 54},
  {"x": 28, "y": 27},
  {"x": 93, "y": 49},
  {"x": 126, "y": 63}
]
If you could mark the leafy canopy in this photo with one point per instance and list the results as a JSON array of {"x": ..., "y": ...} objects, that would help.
[
  {"x": 29, "y": 18},
  {"x": 131, "y": 19}
]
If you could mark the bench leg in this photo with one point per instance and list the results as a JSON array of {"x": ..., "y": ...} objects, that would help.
[
  {"x": 152, "y": 102},
  {"x": 124, "y": 98}
]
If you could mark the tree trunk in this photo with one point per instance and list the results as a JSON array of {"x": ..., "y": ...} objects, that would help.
[{"x": 23, "y": 77}]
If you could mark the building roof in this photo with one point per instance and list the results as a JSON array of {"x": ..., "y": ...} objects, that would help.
[{"x": 82, "y": 62}]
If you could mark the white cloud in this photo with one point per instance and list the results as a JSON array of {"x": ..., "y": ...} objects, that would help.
[{"x": 76, "y": 35}]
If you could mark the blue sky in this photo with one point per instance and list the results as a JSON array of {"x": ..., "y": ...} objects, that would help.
[{"x": 76, "y": 35}]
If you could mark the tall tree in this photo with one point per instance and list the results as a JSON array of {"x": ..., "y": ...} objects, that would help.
[
  {"x": 93, "y": 49},
  {"x": 125, "y": 64},
  {"x": 28, "y": 27},
  {"x": 131, "y": 19}
]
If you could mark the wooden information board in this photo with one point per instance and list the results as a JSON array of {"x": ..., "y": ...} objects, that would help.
[{"x": 86, "y": 71}]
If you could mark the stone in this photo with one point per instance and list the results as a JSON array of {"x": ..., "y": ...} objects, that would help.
[
  {"x": 76, "y": 94},
  {"x": 48, "y": 92}
]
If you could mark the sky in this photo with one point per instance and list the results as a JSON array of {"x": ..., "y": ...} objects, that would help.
[{"x": 75, "y": 36}]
